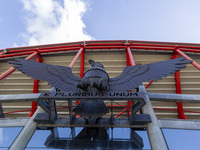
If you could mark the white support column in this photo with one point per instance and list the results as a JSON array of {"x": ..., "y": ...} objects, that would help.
[
  {"x": 155, "y": 134},
  {"x": 26, "y": 134}
]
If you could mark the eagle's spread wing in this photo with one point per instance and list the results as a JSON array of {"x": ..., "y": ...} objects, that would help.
[
  {"x": 58, "y": 76},
  {"x": 133, "y": 76}
]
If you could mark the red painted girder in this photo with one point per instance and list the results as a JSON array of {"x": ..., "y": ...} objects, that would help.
[
  {"x": 12, "y": 69},
  {"x": 43, "y": 48},
  {"x": 125, "y": 109},
  {"x": 189, "y": 50},
  {"x": 181, "y": 114},
  {"x": 11, "y": 112},
  {"x": 80, "y": 52},
  {"x": 128, "y": 63},
  {"x": 105, "y": 47},
  {"x": 105, "y": 44},
  {"x": 130, "y": 56},
  {"x": 82, "y": 64},
  {"x": 133, "y": 64},
  {"x": 18, "y": 54},
  {"x": 195, "y": 64},
  {"x": 35, "y": 89},
  {"x": 81, "y": 68},
  {"x": 41, "y": 51},
  {"x": 149, "y": 84},
  {"x": 76, "y": 57}
]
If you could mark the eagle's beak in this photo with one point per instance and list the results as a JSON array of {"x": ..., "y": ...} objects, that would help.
[{"x": 91, "y": 62}]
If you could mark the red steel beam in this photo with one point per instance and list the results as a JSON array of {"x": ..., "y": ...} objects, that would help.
[
  {"x": 12, "y": 69},
  {"x": 149, "y": 84},
  {"x": 129, "y": 61},
  {"x": 189, "y": 50},
  {"x": 82, "y": 64},
  {"x": 10, "y": 50},
  {"x": 18, "y": 54},
  {"x": 188, "y": 58},
  {"x": 35, "y": 89},
  {"x": 80, "y": 52},
  {"x": 177, "y": 110},
  {"x": 125, "y": 109},
  {"x": 130, "y": 56},
  {"x": 12, "y": 112},
  {"x": 181, "y": 114},
  {"x": 152, "y": 45},
  {"x": 76, "y": 57},
  {"x": 133, "y": 64},
  {"x": 41, "y": 51},
  {"x": 105, "y": 44}
]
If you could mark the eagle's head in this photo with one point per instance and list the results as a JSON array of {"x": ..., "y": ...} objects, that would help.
[{"x": 95, "y": 64}]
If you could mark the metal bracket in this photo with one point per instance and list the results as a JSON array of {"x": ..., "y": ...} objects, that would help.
[{"x": 47, "y": 102}]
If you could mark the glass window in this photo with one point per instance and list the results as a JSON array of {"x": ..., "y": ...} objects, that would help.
[
  {"x": 124, "y": 133},
  {"x": 84, "y": 136},
  {"x": 182, "y": 139},
  {"x": 145, "y": 138},
  {"x": 64, "y": 132},
  {"x": 39, "y": 138},
  {"x": 8, "y": 135}
]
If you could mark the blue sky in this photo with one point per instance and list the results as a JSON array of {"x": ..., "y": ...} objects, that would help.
[{"x": 32, "y": 22}]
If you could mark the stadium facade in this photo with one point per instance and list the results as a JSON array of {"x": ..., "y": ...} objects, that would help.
[{"x": 171, "y": 104}]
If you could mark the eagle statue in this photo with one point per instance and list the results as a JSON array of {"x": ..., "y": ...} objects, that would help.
[{"x": 96, "y": 79}]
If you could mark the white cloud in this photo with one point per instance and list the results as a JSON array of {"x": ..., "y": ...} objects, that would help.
[{"x": 51, "y": 21}]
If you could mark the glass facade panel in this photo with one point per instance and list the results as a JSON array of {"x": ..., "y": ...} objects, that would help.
[
  {"x": 182, "y": 139},
  {"x": 39, "y": 138},
  {"x": 144, "y": 136},
  {"x": 124, "y": 133},
  {"x": 64, "y": 132},
  {"x": 89, "y": 138},
  {"x": 7, "y": 136}
]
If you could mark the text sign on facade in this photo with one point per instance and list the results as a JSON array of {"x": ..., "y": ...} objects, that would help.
[{"x": 91, "y": 95}]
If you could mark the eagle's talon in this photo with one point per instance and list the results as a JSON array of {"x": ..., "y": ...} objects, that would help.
[
  {"x": 102, "y": 84},
  {"x": 84, "y": 84}
]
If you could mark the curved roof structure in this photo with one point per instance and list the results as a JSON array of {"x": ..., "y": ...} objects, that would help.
[{"x": 114, "y": 55}]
